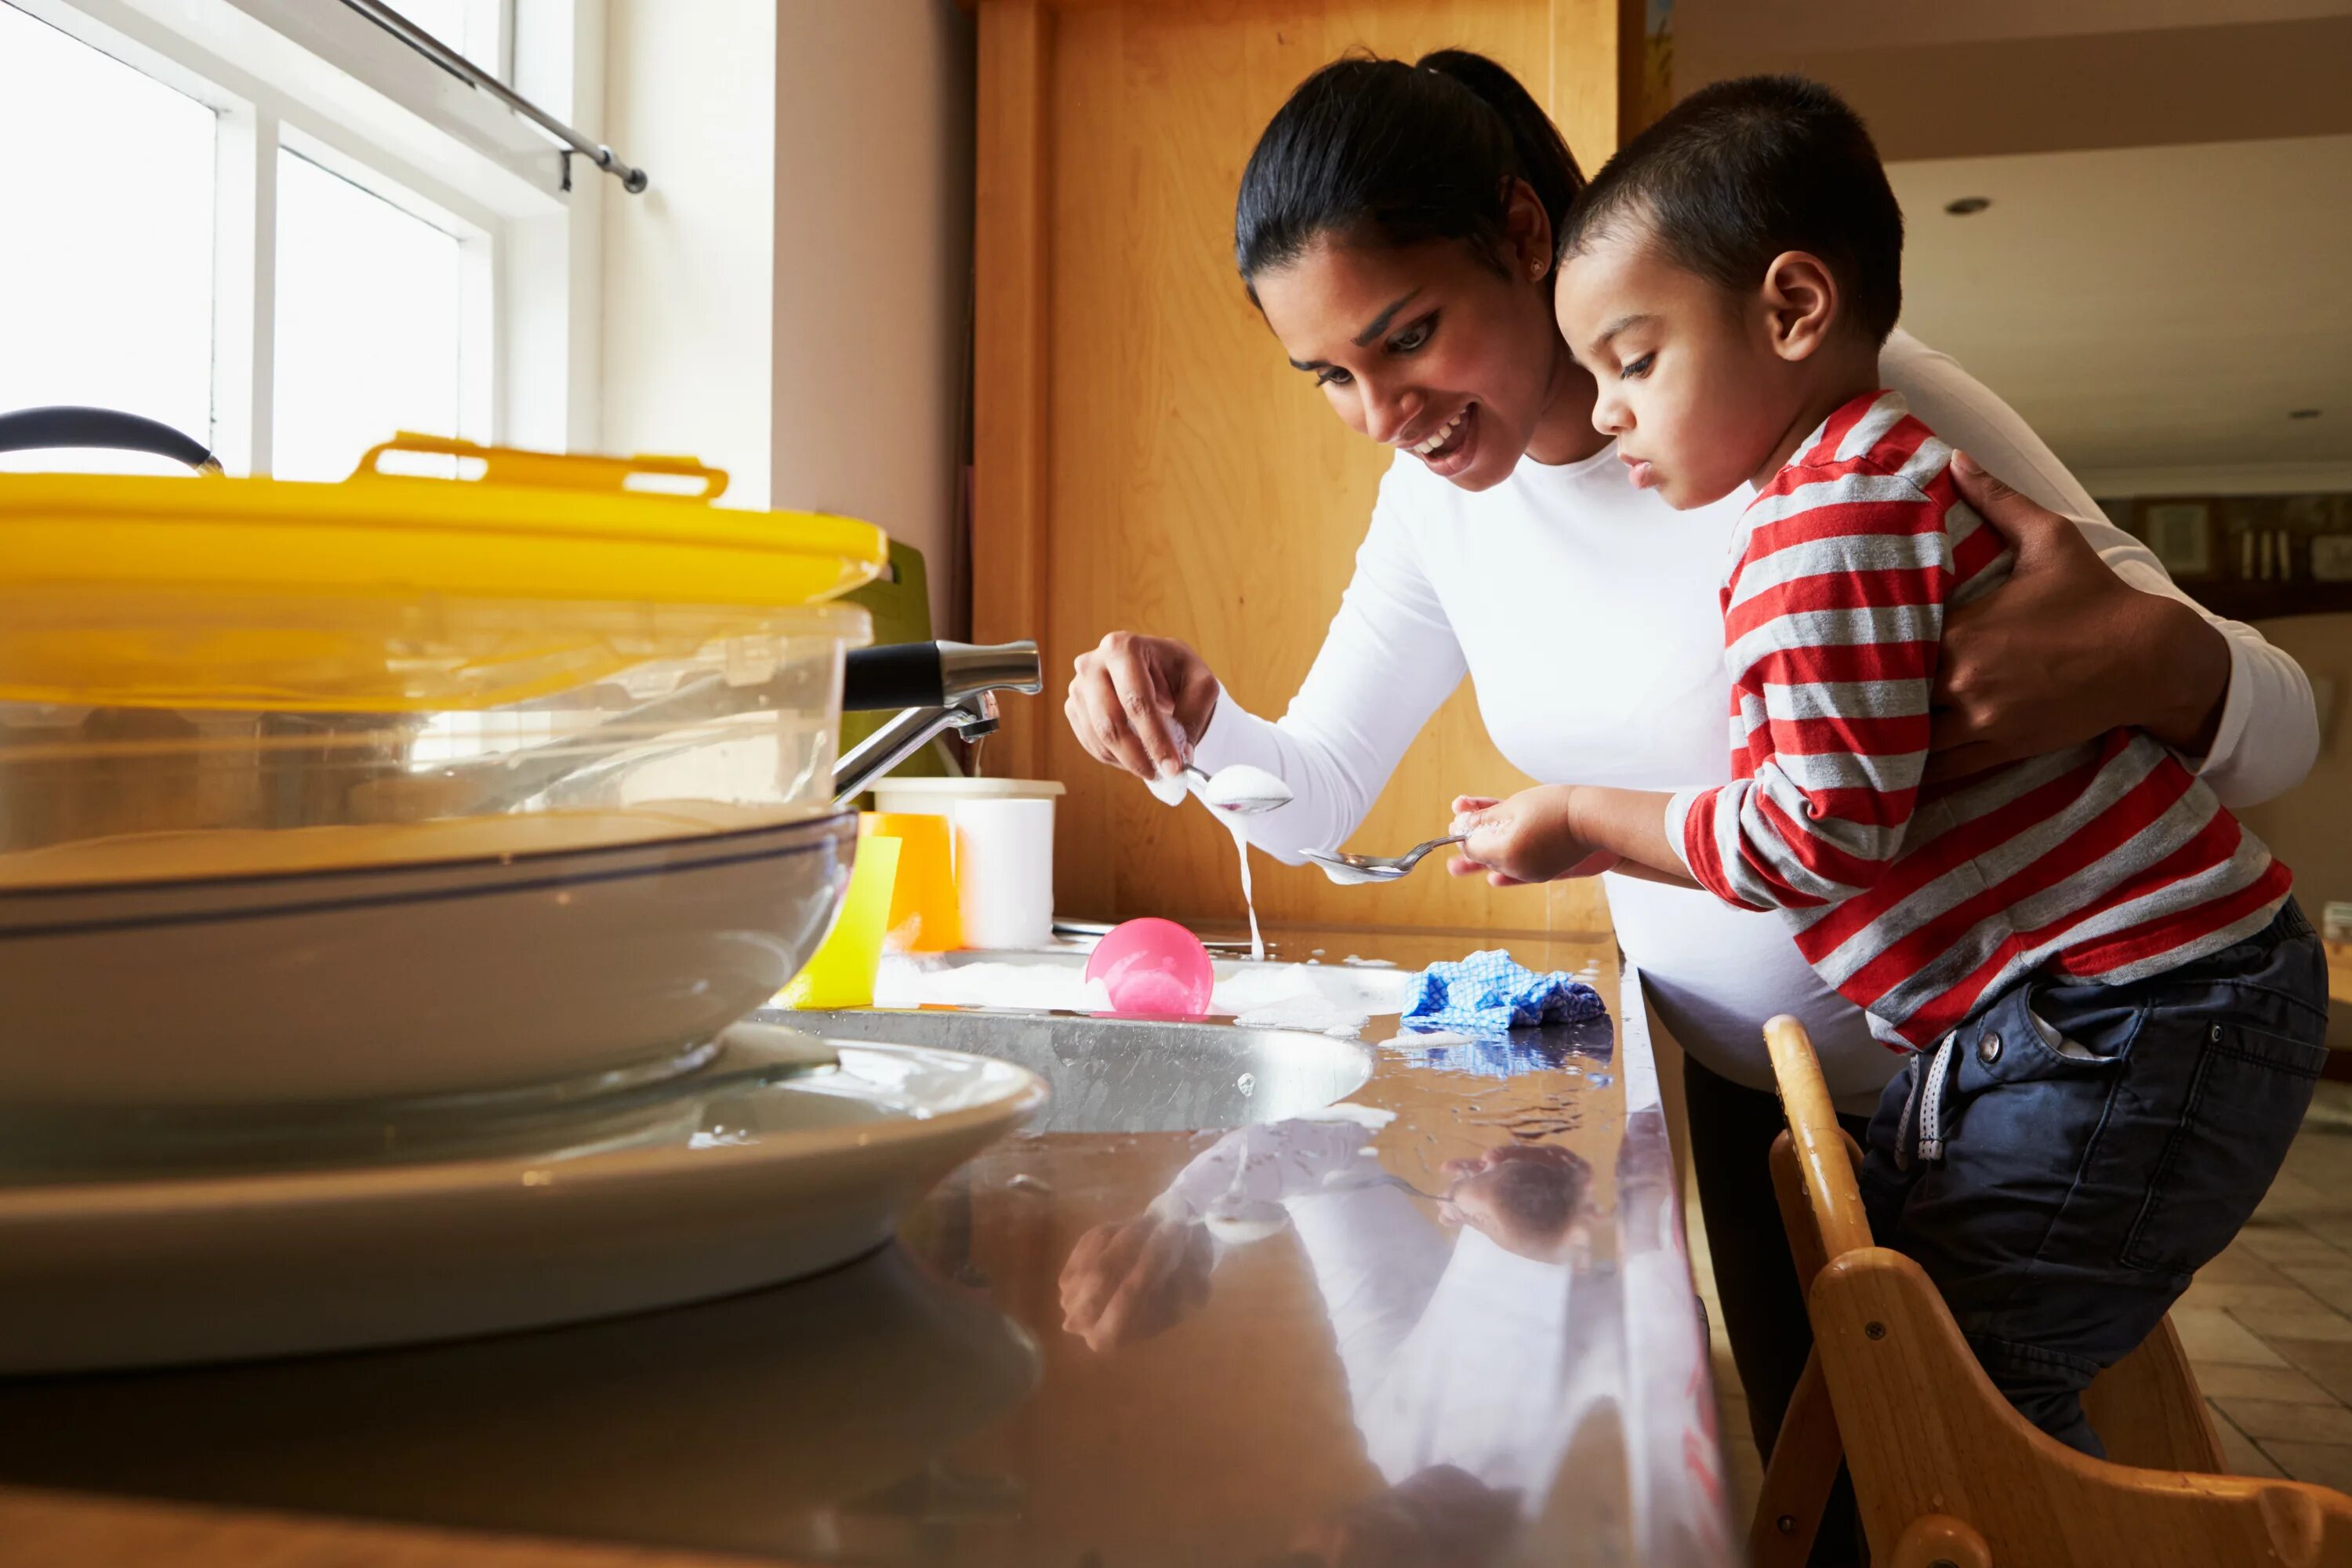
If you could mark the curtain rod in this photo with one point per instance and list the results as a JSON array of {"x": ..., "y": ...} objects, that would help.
[{"x": 633, "y": 179}]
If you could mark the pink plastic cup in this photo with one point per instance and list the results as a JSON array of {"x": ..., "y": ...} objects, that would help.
[{"x": 1153, "y": 966}]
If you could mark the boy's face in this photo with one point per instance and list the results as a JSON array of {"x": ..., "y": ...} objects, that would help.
[
  {"x": 1530, "y": 1197},
  {"x": 1688, "y": 383}
]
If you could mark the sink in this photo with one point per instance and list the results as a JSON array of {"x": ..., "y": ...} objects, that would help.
[{"x": 1128, "y": 1075}]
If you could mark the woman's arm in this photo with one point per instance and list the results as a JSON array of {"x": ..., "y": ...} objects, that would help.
[
  {"x": 2036, "y": 661},
  {"x": 1390, "y": 658},
  {"x": 2125, "y": 648}
]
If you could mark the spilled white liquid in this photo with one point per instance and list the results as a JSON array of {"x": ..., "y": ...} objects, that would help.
[
  {"x": 1231, "y": 794},
  {"x": 1237, "y": 1219},
  {"x": 1241, "y": 848}
]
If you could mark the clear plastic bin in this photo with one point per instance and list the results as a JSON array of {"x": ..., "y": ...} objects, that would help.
[
  {"x": 207, "y": 677},
  {"x": 739, "y": 735}
]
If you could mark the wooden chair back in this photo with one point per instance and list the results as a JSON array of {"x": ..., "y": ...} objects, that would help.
[{"x": 1945, "y": 1472}]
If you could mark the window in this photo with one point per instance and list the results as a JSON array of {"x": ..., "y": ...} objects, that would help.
[
  {"x": 369, "y": 323},
  {"x": 475, "y": 28},
  {"x": 109, "y": 279},
  {"x": 274, "y": 226}
]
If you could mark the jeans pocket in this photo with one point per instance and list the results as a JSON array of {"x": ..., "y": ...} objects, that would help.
[
  {"x": 2020, "y": 1116},
  {"x": 2016, "y": 1049},
  {"x": 2245, "y": 1100}
]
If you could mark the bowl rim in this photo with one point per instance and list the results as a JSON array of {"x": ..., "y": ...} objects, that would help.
[{"x": 523, "y": 859}]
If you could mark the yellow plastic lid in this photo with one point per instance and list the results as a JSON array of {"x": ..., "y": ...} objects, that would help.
[{"x": 390, "y": 592}]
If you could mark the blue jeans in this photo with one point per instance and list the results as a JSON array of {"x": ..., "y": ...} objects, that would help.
[{"x": 2087, "y": 1148}]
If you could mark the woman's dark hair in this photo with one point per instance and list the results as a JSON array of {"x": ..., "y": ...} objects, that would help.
[{"x": 1399, "y": 153}]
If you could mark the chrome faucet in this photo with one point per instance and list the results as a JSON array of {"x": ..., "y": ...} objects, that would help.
[{"x": 937, "y": 686}]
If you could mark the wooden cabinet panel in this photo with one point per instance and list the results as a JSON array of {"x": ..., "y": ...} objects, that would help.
[{"x": 1146, "y": 459}]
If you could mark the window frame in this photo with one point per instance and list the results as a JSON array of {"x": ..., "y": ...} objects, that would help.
[{"x": 322, "y": 82}]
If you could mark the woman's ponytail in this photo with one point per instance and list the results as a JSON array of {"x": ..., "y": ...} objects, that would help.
[{"x": 1544, "y": 160}]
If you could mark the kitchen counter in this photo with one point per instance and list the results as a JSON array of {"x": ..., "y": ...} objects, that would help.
[{"x": 1531, "y": 1386}]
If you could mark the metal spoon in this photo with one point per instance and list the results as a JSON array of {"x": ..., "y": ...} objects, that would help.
[
  {"x": 1234, "y": 802},
  {"x": 1355, "y": 871}
]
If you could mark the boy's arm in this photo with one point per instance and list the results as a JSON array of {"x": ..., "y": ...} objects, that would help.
[
  {"x": 1630, "y": 824},
  {"x": 1834, "y": 619},
  {"x": 1551, "y": 831}
]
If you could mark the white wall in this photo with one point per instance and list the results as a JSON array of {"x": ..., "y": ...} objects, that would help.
[
  {"x": 1789, "y": 24},
  {"x": 789, "y": 299},
  {"x": 2306, "y": 827},
  {"x": 873, "y": 255},
  {"x": 689, "y": 295}
]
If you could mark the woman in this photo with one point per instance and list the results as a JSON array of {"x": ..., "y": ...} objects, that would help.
[{"x": 1396, "y": 227}]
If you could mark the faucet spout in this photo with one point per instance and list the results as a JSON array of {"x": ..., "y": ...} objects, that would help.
[{"x": 951, "y": 686}]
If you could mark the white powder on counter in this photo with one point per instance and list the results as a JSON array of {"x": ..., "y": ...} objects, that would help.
[
  {"x": 907, "y": 980},
  {"x": 1269, "y": 995}
]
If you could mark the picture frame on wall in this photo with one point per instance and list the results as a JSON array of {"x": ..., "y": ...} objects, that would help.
[{"x": 2180, "y": 533}]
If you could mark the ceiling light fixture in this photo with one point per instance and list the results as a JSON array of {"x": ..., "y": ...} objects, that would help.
[{"x": 1968, "y": 206}]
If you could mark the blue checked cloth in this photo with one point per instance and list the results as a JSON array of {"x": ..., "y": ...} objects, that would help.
[
  {"x": 1487, "y": 992},
  {"x": 1507, "y": 1053}
]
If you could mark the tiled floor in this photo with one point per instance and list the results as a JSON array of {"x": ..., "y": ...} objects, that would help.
[{"x": 2268, "y": 1324}]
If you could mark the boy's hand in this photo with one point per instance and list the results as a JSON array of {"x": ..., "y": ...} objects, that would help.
[{"x": 1530, "y": 837}]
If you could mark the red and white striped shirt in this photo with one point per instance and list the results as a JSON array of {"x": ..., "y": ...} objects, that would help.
[{"x": 1921, "y": 903}]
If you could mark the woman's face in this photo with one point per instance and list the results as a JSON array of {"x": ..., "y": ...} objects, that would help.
[{"x": 1432, "y": 349}]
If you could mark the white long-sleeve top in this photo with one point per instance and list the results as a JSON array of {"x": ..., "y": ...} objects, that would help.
[
  {"x": 1455, "y": 1351},
  {"x": 1585, "y": 612}
]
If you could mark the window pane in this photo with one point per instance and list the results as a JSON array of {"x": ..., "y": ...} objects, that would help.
[
  {"x": 468, "y": 26},
  {"x": 106, "y": 266},
  {"x": 368, "y": 324}
]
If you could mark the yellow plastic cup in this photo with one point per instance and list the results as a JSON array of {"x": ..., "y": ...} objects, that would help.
[
  {"x": 841, "y": 973},
  {"x": 923, "y": 910}
]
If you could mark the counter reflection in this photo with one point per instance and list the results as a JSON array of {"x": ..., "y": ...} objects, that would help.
[{"x": 1461, "y": 1318}]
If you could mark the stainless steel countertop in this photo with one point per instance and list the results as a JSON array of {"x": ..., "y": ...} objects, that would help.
[{"x": 1370, "y": 1378}]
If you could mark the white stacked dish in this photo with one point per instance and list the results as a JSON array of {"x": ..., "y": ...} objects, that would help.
[
  {"x": 380, "y": 983},
  {"x": 774, "y": 1160}
]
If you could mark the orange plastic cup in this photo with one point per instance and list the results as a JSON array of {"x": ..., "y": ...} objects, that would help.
[{"x": 923, "y": 916}]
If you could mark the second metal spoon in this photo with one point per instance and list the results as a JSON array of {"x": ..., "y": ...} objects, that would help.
[{"x": 1355, "y": 871}]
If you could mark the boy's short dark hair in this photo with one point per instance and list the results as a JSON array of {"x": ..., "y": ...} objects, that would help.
[{"x": 1743, "y": 170}]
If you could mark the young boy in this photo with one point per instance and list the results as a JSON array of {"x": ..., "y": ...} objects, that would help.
[{"x": 2113, "y": 1010}]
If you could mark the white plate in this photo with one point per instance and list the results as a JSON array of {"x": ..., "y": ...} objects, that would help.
[
  {"x": 392, "y": 981},
  {"x": 743, "y": 1188}
]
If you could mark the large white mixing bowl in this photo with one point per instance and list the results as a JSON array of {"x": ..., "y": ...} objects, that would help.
[{"x": 398, "y": 980}]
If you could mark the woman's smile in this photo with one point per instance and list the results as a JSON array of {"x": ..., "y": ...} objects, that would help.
[
  {"x": 1437, "y": 437},
  {"x": 1453, "y": 446}
]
